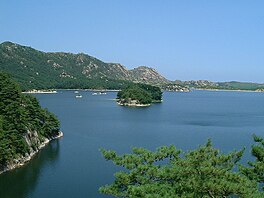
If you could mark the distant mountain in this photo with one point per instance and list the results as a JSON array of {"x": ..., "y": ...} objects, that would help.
[
  {"x": 147, "y": 75},
  {"x": 233, "y": 85},
  {"x": 35, "y": 69},
  {"x": 41, "y": 70}
]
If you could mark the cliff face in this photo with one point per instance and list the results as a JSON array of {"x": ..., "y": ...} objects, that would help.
[{"x": 35, "y": 143}]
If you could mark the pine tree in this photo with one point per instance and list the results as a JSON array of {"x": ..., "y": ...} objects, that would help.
[{"x": 168, "y": 172}]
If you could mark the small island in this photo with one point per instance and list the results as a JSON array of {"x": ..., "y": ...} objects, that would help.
[{"x": 139, "y": 95}]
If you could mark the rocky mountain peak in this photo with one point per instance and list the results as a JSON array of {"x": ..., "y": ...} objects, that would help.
[{"x": 144, "y": 74}]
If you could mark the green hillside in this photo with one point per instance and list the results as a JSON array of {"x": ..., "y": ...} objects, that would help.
[{"x": 34, "y": 69}]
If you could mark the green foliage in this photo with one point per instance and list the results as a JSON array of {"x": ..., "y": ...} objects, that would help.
[
  {"x": 19, "y": 114},
  {"x": 84, "y": 83},
  {"x": 34, "y": 69},
  {"x": 135, "y": 93},
  {"x": 255, "y": 171},
  {"x": 144, "y": 94},
  {"x": 155, "y": 92},
  {"x": 168, "y": 172}
]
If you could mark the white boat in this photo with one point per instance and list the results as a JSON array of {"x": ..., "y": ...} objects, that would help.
[
  {"x": 99, "y": 93},
  {"x": 76, "y": 92},
  {"x": 78, "y": 96}
]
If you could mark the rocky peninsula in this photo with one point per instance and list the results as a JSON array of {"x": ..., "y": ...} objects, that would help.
[
  {"x": 25, "y": 127},
  {"x": 21, "y": 160}
]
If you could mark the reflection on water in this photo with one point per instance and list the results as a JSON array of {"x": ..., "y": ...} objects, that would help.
[{"x": 22, "y": 181}]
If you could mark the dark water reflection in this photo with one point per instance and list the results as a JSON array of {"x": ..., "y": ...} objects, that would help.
[{"x": 22, "y": 181}]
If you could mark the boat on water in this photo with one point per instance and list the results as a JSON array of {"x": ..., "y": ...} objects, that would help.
[
  {"x": 78, "y": 96},
  {"x": 99, "y": 93},
  {"x": 76, "y": 92}
]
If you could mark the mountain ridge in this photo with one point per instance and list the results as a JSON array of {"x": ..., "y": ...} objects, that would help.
[
  {"x": 30, "y": 66},
  {"x": 35, "y": 69}
]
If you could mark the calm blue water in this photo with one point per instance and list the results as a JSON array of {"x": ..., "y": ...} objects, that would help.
[{"x": 73, "y": 165}]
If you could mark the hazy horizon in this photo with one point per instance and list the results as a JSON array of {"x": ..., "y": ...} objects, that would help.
[{"x": 182, "y": 40}]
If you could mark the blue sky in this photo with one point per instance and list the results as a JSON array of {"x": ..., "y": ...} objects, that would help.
[{"x": 198, "y": 39}]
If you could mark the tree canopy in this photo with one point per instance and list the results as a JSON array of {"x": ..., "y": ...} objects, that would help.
[
  {"x": 169, "y": 172},
  {"x": 142, "y": 93},
  {"x": 255, "y": 171},
  {"x": 20, "y": 113}
]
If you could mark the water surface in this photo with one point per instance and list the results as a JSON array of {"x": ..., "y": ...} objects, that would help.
[{"x": 73, "y": 166}]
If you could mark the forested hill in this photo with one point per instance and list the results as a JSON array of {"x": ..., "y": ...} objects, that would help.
[
  {"x": 34, "y": 69},
  {"x": 139, "y": 95},
  {"x": 24, "y": 125},
  {"x": 41, "y": 70}
]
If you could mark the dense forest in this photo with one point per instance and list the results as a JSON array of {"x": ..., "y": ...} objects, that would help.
[
  {"x": 204, "y": 172},
  {"x": 141, "y": 93},
  {"x": 23, "y": 123}
]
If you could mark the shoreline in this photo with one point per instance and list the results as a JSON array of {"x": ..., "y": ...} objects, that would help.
[
  {"x": 23, "y": 160},
  {"x": 96, "y": 90},
  {"x": 53, "y": 91},
  {"x": 230, "y": 90},
  {"x": 35, "y": 91},
  {"x": 133, "y": 105},
  {"x": 102, "y": 90}
]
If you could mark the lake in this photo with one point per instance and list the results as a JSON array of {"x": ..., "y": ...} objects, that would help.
[{"x": 73, "y": 166}]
